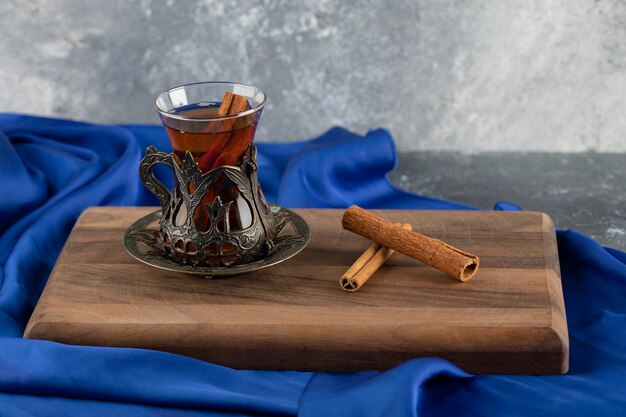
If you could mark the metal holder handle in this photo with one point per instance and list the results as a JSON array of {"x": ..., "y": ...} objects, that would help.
[{"x": 148, "y": 178}]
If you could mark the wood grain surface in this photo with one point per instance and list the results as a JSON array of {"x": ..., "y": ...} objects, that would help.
[{"x": 509, "y": 318}]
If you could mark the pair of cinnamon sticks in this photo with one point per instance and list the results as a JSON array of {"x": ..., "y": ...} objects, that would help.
[
  {"x": 367, "y": 264},
  {"x": 388, "y": 238}
]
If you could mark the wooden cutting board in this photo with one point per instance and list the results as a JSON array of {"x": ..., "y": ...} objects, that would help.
[{"x": 509, "y": 318}]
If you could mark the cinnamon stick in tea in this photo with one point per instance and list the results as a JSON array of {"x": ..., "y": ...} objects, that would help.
[
  {"x": 433, "y": 252},
  {"x": 366, "y": 265},
  {"x": 232, "y": 104}
]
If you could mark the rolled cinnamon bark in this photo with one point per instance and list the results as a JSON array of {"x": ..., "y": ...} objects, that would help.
[
  {"x": 366, "y": 265},
  {"x": 433, "y": 252},
  {"x": 346, "y": 280},
  {"x": 232, "y": 104}
]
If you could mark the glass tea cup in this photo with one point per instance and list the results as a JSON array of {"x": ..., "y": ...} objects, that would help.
[{"x": 216, "y": 214}]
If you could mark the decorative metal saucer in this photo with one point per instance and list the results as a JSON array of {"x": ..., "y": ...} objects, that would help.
[{"x": 143, "y": 242}]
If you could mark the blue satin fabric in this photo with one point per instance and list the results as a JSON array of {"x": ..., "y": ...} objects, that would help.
[{"x": 51, "y": 170}]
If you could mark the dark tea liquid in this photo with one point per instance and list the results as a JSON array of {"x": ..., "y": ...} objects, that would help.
[{"x": 214, "y": 143}]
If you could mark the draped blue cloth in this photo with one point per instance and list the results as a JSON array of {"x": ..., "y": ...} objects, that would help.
[{"x": 51, "y": 170}]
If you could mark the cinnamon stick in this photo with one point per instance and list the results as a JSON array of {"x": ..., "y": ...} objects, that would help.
[
  {"x": 232, "y": 104},
  {"x": 366, "y": 265},
  {"x": 433, "y": 252},
  {"x": 369, "y": 253}
]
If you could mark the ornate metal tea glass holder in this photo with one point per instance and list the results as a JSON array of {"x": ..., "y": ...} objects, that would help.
[{"x": 220, "y": 243}]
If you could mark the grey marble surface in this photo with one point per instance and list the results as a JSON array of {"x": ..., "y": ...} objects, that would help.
[
  {"x": 472, "y": 74},
  {"x": 586, "y": 192}
]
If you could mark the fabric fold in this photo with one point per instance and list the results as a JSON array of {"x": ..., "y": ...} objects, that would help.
[{"x": 396, "y": 392}]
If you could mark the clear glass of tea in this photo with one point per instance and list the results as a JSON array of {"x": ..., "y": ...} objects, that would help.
[
  {"x": 194, "y": 126},
  {"x": 189, "y": 114}
]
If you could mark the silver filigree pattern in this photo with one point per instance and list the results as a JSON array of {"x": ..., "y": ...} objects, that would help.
[{"x": 221, "y": 243}]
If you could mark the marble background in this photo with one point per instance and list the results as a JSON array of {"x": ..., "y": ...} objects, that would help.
[{"x": 546, "y": 75}]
